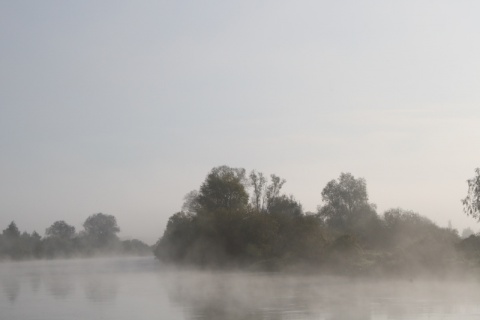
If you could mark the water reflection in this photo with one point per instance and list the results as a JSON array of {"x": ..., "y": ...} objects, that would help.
[
  {"x": 60, "y": 287},
  {"x": 101, "y": 289},
  {"x": 127, "y": 288},
  {"x": 240, "y": 296},
  {"x": 35, "y": 280},
  {"x": 275, "y": 297},
  {"x": 11, "y": 287}
]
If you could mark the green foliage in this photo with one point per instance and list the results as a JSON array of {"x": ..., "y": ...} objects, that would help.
[
  {"x": 178, "y": 237},
  {"x": 219, "y": 226},
  {"x": 346, "y": 203},
  {"x": 346, "y": 209},
  {"x": 223, "y": 189}
]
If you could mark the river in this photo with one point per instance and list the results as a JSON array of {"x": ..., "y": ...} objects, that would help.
[{"x": 142, "y": 288}]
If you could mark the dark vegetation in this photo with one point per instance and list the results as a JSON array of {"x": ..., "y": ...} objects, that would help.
[
  {"x": 99, "y": 237},
  {"x": 240, "y": 220}
]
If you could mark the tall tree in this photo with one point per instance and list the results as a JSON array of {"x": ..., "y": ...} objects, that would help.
[
  {"x": 265, "y": 193},
  {"x": 346, "y": 201},
  {"x": 12, "y": 231},
  {"x": 258, "y": 182},
  {"x": 101, "y": 228},
  {"x": 10, "y": 244},
  {"x": 273, "y": 190}
]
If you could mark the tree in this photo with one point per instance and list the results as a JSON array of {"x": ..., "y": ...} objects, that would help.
[
  {"x": 136, "y": 247},
  {"x": 101, "y": 228},
  {"x": 346, "y": 202},
  {"x": 10, "y": 245},
  {"x": 273, "y": 190},
  {"x": 60, "y": 230},
  {"x": 265, "y": 194},
  {"x": 223, "y": 189},
  {"x": 471, "y": 203},
  {"x": 12, "y": 231},
  {"x": 59, "y": 240},
  {"x": 178, "y": 237},
  {"x": 467, "y": 232},
  {"x": 190, "y": 202},
  {"x": 258, "y": 182},
  {"x": 287, "y": 206},
  {"x": 36, "y": 244}
]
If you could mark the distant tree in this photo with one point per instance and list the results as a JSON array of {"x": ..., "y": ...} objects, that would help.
[
  {"x": 60, "y": 230},
  {"x": 400, "y": 218},
  {"x": 59, "y": 240},
  {"x": 285, "y": 205},
  {"x": 36, "y": 236},
  {"x": 135, "y": 247},
  {"x": 265, "y": 193},
  {"x": 346, "y": 202},
  {"x": 258, "y": 183},
  {"x": 11, "y": 244},
  {"x": 470, "y": 246},
  {"x": 11, "y": 232},
  {"x": 25, "y": 246},
  {"x": 405, "y": 226},
  {"x": 415, "y": 240},
  {"x": 36, "y": 245},
  {"x": 467, "y": 232},
  {"x": 297, "y": 235},
  {"x": 101, "y": 229},
  {"x": 273, "y": 190},
  {"x": 223, "y": 189},
  {"x": 471, "y": 203}
]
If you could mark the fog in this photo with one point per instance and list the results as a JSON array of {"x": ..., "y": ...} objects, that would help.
[
  {"x": 242, "y": 249},
  {"x": 114, "y": 111},
  {"x": 141, "y": 288},
  {"x": 123, "y": 107},
  {"x": 267, "y": 296}
]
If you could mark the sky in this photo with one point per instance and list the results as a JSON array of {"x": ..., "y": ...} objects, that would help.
[{"x": 123, "y": 107}]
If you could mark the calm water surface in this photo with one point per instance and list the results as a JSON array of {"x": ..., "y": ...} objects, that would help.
[{"x": 141, "y": 288}]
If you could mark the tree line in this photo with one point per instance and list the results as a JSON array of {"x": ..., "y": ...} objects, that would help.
[
  {"x": 239, "y": 219},
  {"x": 98, "y": 237}
]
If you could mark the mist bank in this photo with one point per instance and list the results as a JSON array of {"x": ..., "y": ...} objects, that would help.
[
  {"x": 237, "y": 220},
  {"x": 98, "y": 238}
]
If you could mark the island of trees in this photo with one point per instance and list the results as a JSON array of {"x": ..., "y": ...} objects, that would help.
[
  {"x": 99, "y": 237},
  {"x": 244, "y": 220}
]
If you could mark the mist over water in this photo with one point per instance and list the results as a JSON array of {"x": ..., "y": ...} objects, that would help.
[{"x": 141, "y": 288}]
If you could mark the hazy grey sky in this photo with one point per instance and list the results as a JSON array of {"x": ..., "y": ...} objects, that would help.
[{"x": 123, "y": 107}]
